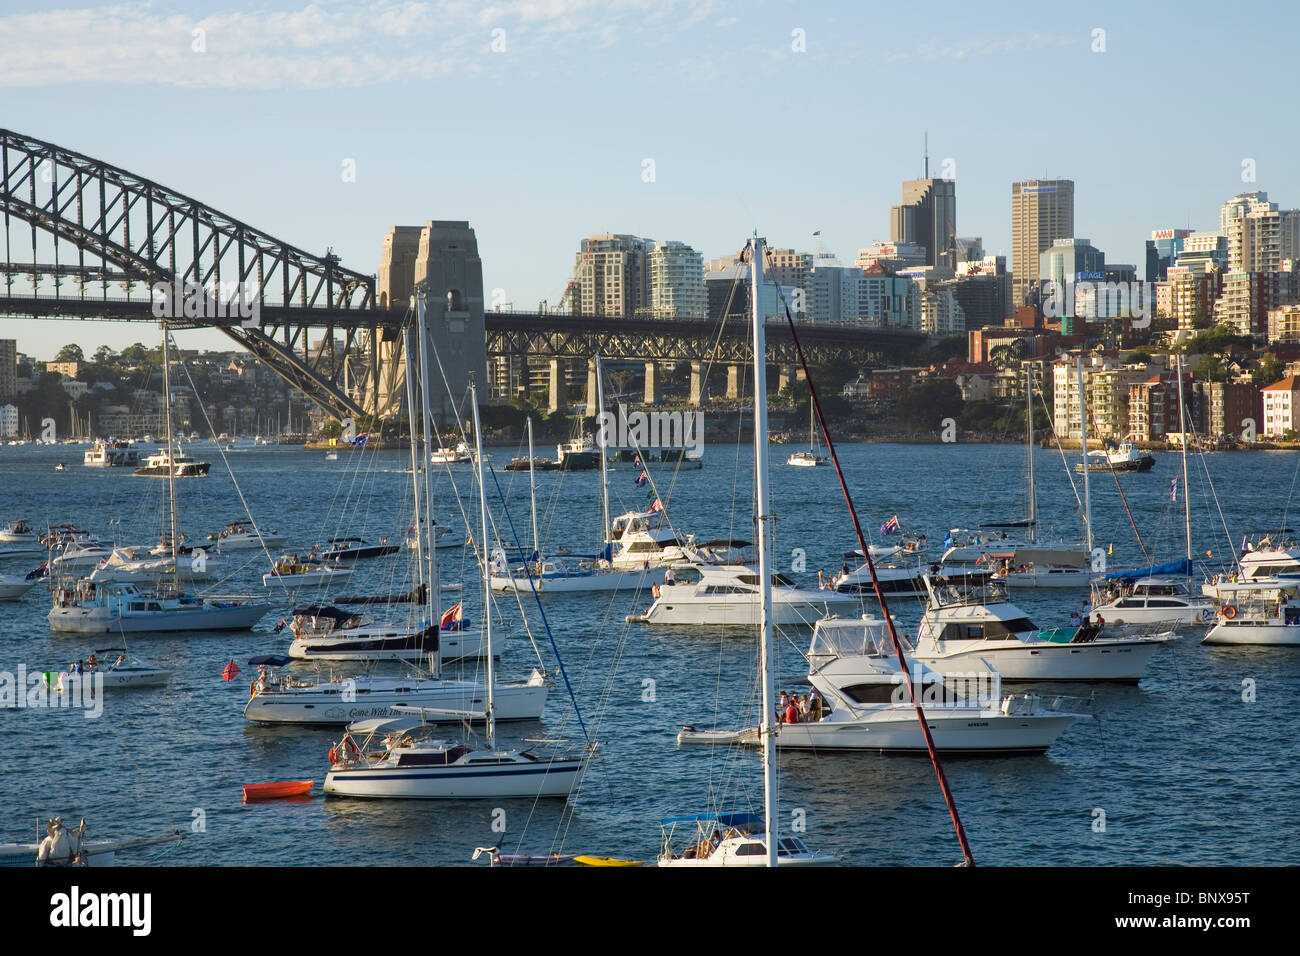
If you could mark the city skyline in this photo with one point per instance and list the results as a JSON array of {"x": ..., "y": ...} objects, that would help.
[{"x": 535, "y": 155}]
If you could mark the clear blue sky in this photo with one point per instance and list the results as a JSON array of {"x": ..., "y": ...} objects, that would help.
[{"x": 543, "y": 142}]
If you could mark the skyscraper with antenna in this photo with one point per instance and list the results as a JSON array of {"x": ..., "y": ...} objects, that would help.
[{"x": 927, "y": 215}]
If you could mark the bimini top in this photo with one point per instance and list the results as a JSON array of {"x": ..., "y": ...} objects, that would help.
[
  {"x": 726, "y": 819},
  {"x": 1183, "y": 567}
]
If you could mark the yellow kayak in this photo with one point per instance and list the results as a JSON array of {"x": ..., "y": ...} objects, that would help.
[{"x": 605, "y": 861}]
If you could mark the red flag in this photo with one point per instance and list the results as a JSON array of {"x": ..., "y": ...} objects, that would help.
[
  {"x": 453, "y": 614},
  {"x": 657, "y": 506}
]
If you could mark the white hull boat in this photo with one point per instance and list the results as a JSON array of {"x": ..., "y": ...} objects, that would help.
[
  {"x": 554, "y": 577},
  {"x": 734, "y": 840},
  {"x": 1163, "y": 602},
  {"x": 1263, "y": 618},
  {"x": 1047, "y": 578},
  {"x": 122, "y": 608},
  {"x": 292, "y": 573},
  {"x": 13, "y": 586},
  {"x": 729, "y": 595},
  {"x": 132, "y": 673}
]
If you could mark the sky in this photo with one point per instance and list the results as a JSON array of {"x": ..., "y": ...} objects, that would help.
[{"x": 544, "y": 121}]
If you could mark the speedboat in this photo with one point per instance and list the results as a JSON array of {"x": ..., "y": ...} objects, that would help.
[
  {"x": 111, "y": 454},
  {"x": 557, "y": 576},
  {"x": 243, "y": 536},
  {"x": 1159, "y": 599},
  {"x": 866, "y": 705},
  {"x": 292, "y": 572},
  {"x": 166, "y": 465},
  {"x": 90, "y": 607},
  {"x": 963, "y": 629},
  {"x": 898, "y": 570},
  {"x": 124, "y": 671},
  {"x": 18, "y": 540},
  {"x": 1263, "y": 617},
  {"x": 403, "y": 759},
  {"x": 356, "y": 549},
  {"x": 286, "y": 699},
  {"x": 80, "y": 557},
  {"x": 1126, "y": 456},
  {"x": 732, "y": 839},
  {"x": 731, "y": 594}
]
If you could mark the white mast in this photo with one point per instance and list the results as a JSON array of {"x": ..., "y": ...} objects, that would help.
[
  {"x": 1083, "y": 431},
  {"x": 487, "y": 581},
  {"x": 532, "y": 489},
  {"x": 762, "y": 518},
  {"x": 604, "y": 464},
  {"x": 1029, "y": 451},
  {"x": 1182, "y": 427},
  {"x": 415, "y": 459},
  {"x": 435, "y": 613},
  {"x": 171, "y": 455}
]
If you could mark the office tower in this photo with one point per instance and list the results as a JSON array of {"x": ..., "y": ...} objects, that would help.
[{"x": 1042, "y": 211}]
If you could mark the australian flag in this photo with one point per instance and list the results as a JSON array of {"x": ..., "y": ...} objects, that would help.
[
  {"x": 642, "y": 479},
  {"x": 890, "y": 527},
  {"x": 42, "y": 572},
  {"x": 360, "y": 440}
]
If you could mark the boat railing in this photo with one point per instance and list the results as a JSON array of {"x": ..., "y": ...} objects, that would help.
[{"x": 1029, "y": 703}]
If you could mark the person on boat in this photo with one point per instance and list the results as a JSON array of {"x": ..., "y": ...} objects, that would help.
[
  {"x": 92, "y": 661},
  {"x": 121, "y": 659},
  {"x": 1074, "y": 619},
  {"x": 803, "y": 708},
  {"x": 792, "y": 712},
  {"x": 821, "y": 579},
  {"x": 844, "y": 569},
  {"x": 669, "y": 577}
]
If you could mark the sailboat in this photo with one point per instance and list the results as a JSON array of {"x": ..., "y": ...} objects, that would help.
[
  {"x": 810, "y": 458},
  {"x": 746, "y": 839},
  {"x": 550, "y": 575},
  {"x": 90, "y": 606},
  {"x": 405, "y": 764},
  {"x": 286, "y": 699}
]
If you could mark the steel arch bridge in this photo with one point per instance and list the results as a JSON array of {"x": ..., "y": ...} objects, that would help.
[{"x": 124, "y": 230}]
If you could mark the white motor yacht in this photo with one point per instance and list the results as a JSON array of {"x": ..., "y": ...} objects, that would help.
[
  {"x": 729, "y": 594},
  {"x": 111, "y": 454},
  {"x": 331, "y": 633},
  {"x": 164, "y": 464},
  {"x": 865, "y": 703},
  {"x": 14, "y": 586},
  {"x": 964, "y": 628},
  {"x": 115, "y": 670},
  {"x": 243, "y": 536},
  {"x": 1262, "y": 617},
  {"x": 1159, "y": 599},
  {"x": 77, "y": 558},
  {"x": 290, "y": 571},
  {"x": 560, "y": 576},
  {"x": 641, "y": 538}
]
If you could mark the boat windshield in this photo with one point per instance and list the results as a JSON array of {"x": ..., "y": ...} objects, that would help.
[{"x": 834, "y": 639}]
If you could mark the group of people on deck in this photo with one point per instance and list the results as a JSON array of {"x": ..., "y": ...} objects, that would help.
[
  {"x": 800, "y": 709},
  {"x": 92, "y": 664}
]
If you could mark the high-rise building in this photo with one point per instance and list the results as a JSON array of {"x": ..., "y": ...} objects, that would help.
[
  {"x": 1163, "y": 249},
  {"x": 1042, "y": 211},
  {"x": 892, "y": 256},
  {"x": 1191, "y": 294},
  {"x": 8, "y": 369},
  {"x": 928, "y": 218},
  {"x": 1259, "y": 235},
  {"x": 677, "y": 281},
  {"x": 612, "y": 275}
]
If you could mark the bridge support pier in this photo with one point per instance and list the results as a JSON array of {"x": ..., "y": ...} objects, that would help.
[
  {"x": 789, "y": 374},
  {"x": 733, "y": 381},
  {"x": 555, "y": 386},
  {"x": 697, "y": 383},
  {"x": 651, "y": 384},
  {"x": 593, "y": 400}
]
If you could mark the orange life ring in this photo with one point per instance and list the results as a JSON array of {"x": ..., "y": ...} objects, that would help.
[{"x": 1229, "y": 611}]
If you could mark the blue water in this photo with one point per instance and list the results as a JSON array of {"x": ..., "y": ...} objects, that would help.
[{"x": 1184, "y": 769}]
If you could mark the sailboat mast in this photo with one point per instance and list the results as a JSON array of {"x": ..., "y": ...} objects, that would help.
[
  {"x": 431, "y": 552},
  {"x": 1182, "y": 428},
  {"x": 1029, "y": 452},
  {"x": 604, "y": 463},
  {"x": 171, "y": 456},
  {"x": 762, "y": 519},
  {"x": 487, "y": 581},
  {"x": 415, "y": 458},
  {"x": 532, "y": 489},
  {"x": 1083, "y": 432}
]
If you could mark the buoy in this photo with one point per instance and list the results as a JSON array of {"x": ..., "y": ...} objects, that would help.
[{"x": 230, "y": 671}]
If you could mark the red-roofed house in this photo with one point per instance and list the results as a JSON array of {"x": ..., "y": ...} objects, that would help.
[{"x": 1281, "y": 404}]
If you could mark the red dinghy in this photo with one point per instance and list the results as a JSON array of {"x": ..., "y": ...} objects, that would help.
[{"x": 275, "y": 791}]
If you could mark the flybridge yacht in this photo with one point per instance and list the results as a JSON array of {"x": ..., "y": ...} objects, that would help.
[
  {"x": 730, "y": 594},
  {"x": 963, "y": 628},
  {"x": 1263, "y": 616},
  {"x": 641, "y": 538},
  {"x": 89, "y": 607},
  {"x": 111, "y": 454},
  {"x": 866, "y": 704},
  {"x": 164, "y": 464}
]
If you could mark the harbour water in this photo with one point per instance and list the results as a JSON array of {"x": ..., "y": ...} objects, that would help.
[{"x": 1194, "y": 766}]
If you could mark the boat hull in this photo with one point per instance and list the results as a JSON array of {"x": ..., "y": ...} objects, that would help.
[
  {"x": 1120, "y": 661},
  {"x": 555, "y": 778},
  {"x": 973, "y": 733},
  {"x": 315, "y": 707},
  {"x": 1048, "y": 578},
  {"x": 787, "y": 610},
  {"x": 614, "y": 580},
  {"x": 309, "y": 580},
  {"x": 1261, "y": 635},
  {"x": 76, "y": 620}
]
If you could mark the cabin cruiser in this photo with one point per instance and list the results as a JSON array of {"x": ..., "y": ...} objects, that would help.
[
  {"x": 325, "y": 632},
  {"x": 731, "y": 594},
  {"x": 18, "y": 540},
  {"x": 732, "y": 839},
  {"x": 557, "y": 575},
  {"x": 403, "y": 758},
  {"x": 1126, "y": 456},
  {"x": 459, "y": 455},
  {"x": 14, "y": 586},
  {"x": 166, "y": 465},
  {"x": 356, "y": 549},
  {"x": 111, "y": 454},
  {"x": 286, "y": 699},
  {"x": 1137, "y": 597},
  {"x": 898, "y": 569},
  {"x": 865, "y": 703},
  {"x": 1261, "y": 617},
  {"x": 641, "y": 538},
  {"x": 1022, "y": 563},
  {"x": 91, "y": 607},
  {"x": 290, "y": 571},
  {"x": 244, "y": 536},
  {"x": 80, "y": 557},
  {"x": 963, "y": 628}
]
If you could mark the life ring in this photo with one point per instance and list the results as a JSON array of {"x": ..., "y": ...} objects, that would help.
[
  {"x": 1229, "y": 611},
  {"x": 655, "y": 590}
]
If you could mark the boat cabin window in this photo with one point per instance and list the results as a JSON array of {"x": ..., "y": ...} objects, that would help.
[
  {"x": 987, "y": 631},
  {"x": 751, "y": 849},
  {"x": 778, "y": 580},
  {"x": 435, "y": 758},
  {"x": 727, "y": 589},
  {"x": 933, "y": 692}
]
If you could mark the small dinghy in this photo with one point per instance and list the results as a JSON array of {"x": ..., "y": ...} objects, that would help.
[
  {"x": 517, "y": 859},
  {"x": 689, "y": 736},
  {"x": 583, "y": 860},
  {"x": 254, "y": 792}
]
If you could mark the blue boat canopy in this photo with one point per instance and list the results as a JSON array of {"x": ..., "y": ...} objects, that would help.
[
  {"x": 270, "y": 660},
  {"x": 726, "y": 819},
  {"x": 1183, "y": 567}
]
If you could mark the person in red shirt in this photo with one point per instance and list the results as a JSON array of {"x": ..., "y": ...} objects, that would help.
[{"x": 792, "y": 714}]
